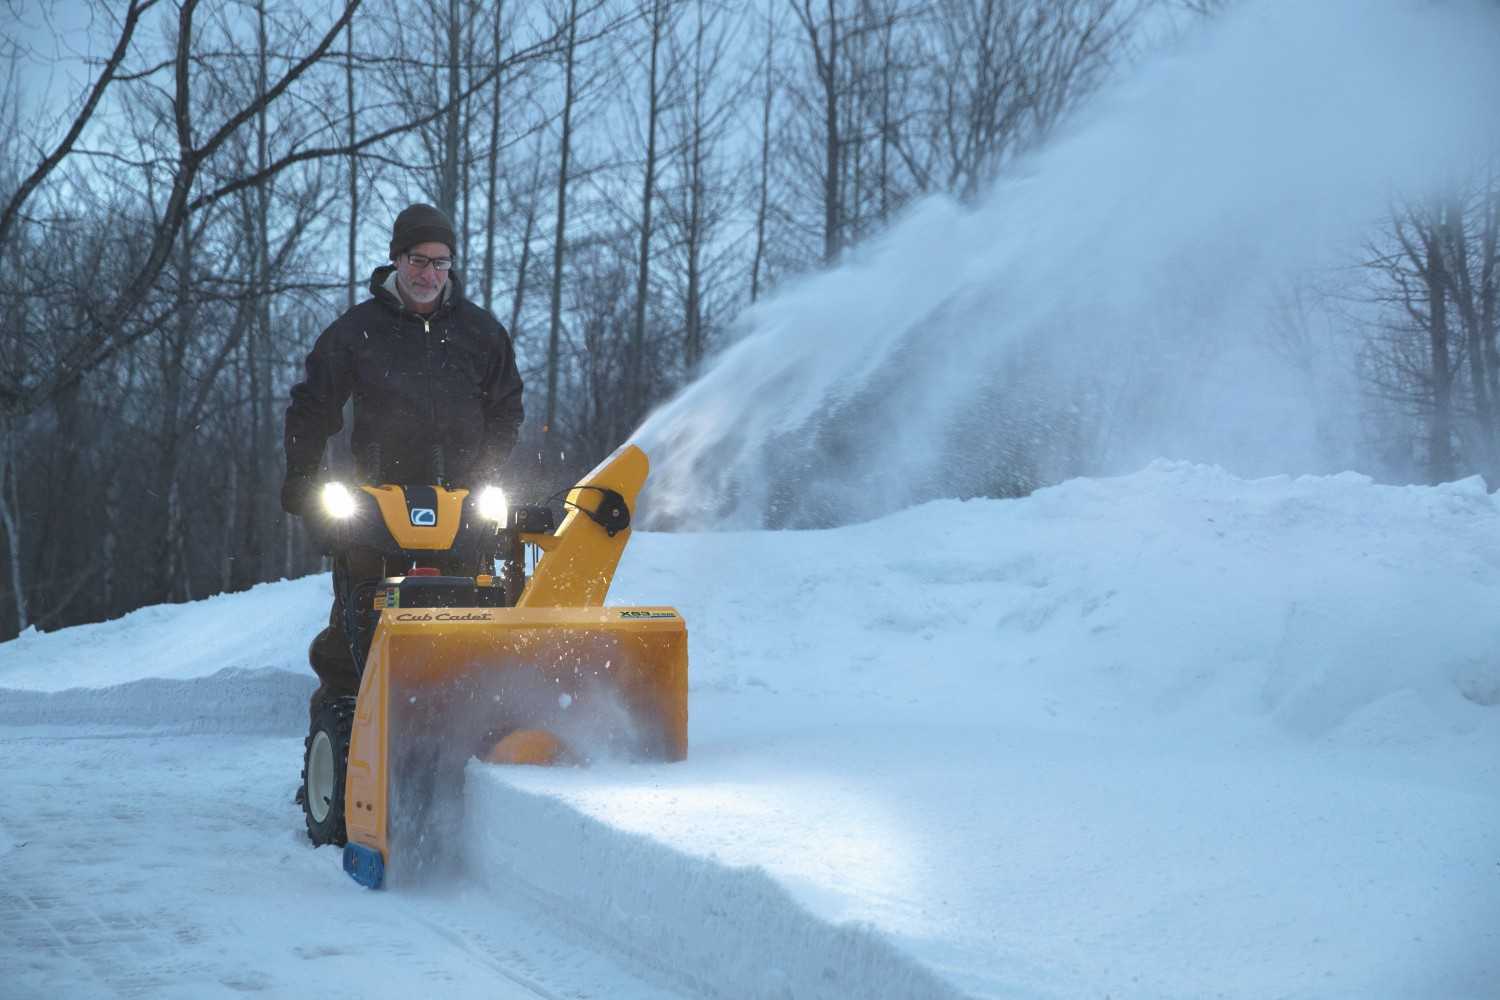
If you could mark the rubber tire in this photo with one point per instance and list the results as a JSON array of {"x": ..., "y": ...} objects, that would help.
[{"x": 329, "y": 739}]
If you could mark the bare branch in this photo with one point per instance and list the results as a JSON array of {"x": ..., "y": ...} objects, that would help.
[{"x": 49, "y": 163}]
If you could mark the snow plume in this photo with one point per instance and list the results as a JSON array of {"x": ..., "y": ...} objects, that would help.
[{"x": 1103, "y": 304}]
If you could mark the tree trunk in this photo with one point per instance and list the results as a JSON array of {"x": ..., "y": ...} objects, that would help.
[
  {"x": 227, "y": 574},
  {"x": 826, "y": 66},
  {"x": 169, "y": 546},
  {"x": 693, "y": 320},
  {"x": 1440, "y": 432},
  {"x": 762, "y": 207},
  {"x": 262, "y": 423},
  {"x": 1489, "y": 289},
  {"x": 10, "y": 519},
  {"x": 353, "y": 168},
  {"x": 109, "y": 547},
  {"x": 854, "y": 119},
  {"x": 528, "y": 232},
  {"x": 448, "y": 175},
  {"x": 1454, "y": 241},
  {"x": 493, "y": 164},
  {"x": 465, "y": 179},
  {"x": 832, "y": 218},
  {"x": 559, "y": 243},
  {"x": 635, "y": 391},
  {"x": 523, "y": 266},
  {"x": 886, "y": 31}
]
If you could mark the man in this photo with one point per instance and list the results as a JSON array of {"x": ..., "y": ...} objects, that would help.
[{"x": 431, "y": 373}]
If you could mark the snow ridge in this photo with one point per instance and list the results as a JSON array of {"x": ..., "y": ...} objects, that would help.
[
  {"x": 715, "y": 930},
  {"x": 234, "y": 700}
]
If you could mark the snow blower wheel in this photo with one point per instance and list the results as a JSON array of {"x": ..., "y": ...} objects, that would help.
[{"x": 323, "y": 770}]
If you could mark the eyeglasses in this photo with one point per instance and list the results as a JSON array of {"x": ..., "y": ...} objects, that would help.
[{"x": 420, "y": 262}]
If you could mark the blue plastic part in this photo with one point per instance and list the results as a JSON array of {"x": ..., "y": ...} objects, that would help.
[{"x": 364, "y": 865}]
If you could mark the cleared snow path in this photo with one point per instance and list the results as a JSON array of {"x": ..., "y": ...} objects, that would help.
[{"x": 175, "y": 867}]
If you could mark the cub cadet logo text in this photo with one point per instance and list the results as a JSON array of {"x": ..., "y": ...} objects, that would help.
[
  {"x": 443, "y": 616},
  {"x": 423, "y": 517},
  {"x": 647, "y": 614}
]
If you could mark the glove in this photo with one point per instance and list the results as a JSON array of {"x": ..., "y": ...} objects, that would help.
[{"x": 297, "y": 494}]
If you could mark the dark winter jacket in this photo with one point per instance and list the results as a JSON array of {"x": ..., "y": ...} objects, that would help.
[{"x": 447, "y": 379}]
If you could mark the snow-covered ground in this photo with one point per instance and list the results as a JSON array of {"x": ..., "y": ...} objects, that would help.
[{"x": 1170, "y": 735}]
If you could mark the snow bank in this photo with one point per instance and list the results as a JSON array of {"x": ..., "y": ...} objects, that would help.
[
  {"x": 1178, "y": 593},
  {"x": 1149, "y": 736},
  {"x": 233, "y": 663},
  {"x": 266, "y": 627},
  {"x": 230, "y": 701}
]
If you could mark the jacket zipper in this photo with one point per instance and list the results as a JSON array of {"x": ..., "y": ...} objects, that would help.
[{"x": 431, "y": 398}]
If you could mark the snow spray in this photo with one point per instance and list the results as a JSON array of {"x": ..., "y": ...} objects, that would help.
[
  {"x": 1131, "y": 260},
  {"x": 440, "y": 728}
]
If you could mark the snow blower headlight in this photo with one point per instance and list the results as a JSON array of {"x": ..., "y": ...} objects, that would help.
[
  {"x": 338, "y": 502},
  {"x": 493, "y": 506}
]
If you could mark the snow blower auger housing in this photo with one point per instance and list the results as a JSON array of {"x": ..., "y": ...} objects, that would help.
[{"x": 506, "y": 668}]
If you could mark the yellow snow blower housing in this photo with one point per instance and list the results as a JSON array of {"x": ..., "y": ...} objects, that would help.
[{"x": 509, "y": 669}]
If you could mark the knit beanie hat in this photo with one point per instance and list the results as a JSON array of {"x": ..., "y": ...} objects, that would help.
[{"x": 420, "y": 224}]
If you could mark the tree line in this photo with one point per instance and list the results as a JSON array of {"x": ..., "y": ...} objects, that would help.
[{"x": 625, "y": 177}]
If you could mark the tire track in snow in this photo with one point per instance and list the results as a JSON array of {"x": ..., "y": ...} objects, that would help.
[{"x": 471, "y": 943}]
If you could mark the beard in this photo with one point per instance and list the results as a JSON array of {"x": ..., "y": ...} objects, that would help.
[{"x": 416, "y": 293}]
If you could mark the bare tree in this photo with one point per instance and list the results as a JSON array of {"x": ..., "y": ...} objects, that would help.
[
  {"x": 1471, "y": 243},
  {"x": 492, "y": 159},
  {"x": 115, "y": 322},
  {"x": 351, "y": 137},
  {"x": 530, "y": 198},
  {"x": 763, "y": 181},
  {"x": 999, "y": 76},
  {"x": 560, "y": 230},
  {"x": 696, "y": 202},
  {"x": 52, "y": 160},
  {"x": 1414, "y": 361},
  {"x": 824, "y": 31},
  {"x": 660, "y": 21}
]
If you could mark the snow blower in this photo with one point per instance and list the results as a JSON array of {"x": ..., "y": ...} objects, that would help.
[{"x": 510, "y": 668}]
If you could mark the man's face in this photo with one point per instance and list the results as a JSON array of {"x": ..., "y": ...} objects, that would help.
[{"x": 426, "y": 283}]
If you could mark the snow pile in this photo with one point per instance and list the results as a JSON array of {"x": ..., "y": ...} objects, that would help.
[
  {"x": 1172, "y": 734},
  {"x": 230, "y": 701},
  {"x": 1153, "y": 736},
  {"x": 1179, "y": 593},
  {"x": 267, "y": 627},
  {"x": 232, "y": 663}
]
